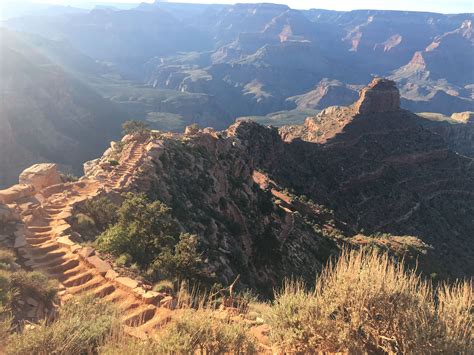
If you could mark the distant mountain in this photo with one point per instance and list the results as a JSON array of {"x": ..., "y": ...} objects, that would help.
[
  {"x": 46, "y": 114},
  {"x": 252, "y": 58}
]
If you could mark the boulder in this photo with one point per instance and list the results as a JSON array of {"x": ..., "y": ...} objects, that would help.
[
  {"x": 381, "y": 95},
  {"x": 40, "y": 176}
]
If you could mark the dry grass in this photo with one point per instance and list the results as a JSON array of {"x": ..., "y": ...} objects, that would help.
[
  {"x": 368, "y": 303},
  {"x": 194, "y": 331},
  {"x": 456, "y": 312},
  {"x": 82, "y": 325},
  {"x": 363, "y": 303},
  {"x": 201, "y": 330}
]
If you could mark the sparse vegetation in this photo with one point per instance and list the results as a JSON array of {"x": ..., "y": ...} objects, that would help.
[
  {"x": 164, "y": 286},
  {"x": 68, "y": 177},
  {"x": 16, "y": 285}
]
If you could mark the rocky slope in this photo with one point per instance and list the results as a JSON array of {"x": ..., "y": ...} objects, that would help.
[
  {"x": 246, "y": 226},
  {"x": 457, "y": 130},
  {"x": 381, "y": 171},
  {"x": 268, "y": 204}
]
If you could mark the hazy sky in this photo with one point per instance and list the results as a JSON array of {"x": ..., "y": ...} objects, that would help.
[{"x": 445, "y": 6}]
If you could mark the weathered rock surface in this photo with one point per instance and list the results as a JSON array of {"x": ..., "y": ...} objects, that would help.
[
  {"x": 40, "y": 176},
  {"x": 16, "y": 192}
]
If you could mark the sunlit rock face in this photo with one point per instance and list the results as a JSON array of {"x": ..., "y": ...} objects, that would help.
[{"x": 381, "y": 95}]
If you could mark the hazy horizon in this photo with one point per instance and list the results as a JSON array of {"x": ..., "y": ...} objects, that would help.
[{"x": 460, "y": 6}]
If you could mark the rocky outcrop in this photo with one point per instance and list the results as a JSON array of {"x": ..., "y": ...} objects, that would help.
[
  {"x": 16, "y": 192},
  {"x": 40, "y": 176},
  {"x": 381, "y": 95}
]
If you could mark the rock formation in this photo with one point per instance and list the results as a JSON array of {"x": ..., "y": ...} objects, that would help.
[
  {"x": 40, "y": 176},
  {"x": 380, "y": 96}
]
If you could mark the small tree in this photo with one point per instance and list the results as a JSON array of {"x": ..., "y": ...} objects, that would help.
[
  {"x": 144, "y": 230},
  {"x": 134, "y": 126},
  {"x": 185, "y": 263}
]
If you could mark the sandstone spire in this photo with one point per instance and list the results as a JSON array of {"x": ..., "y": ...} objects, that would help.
[{"x": 381, "y": 95}]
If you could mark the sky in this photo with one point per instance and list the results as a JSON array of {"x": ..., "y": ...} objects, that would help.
[{"x": 443, "y": 6}]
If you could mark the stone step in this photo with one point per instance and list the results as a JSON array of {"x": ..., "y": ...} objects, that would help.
[
  {"x": 64, "y": 267},
  {"x": 78, "y": 279},
  {"x": 140, "y": 316},
  {"x": 93, "y": 283}
]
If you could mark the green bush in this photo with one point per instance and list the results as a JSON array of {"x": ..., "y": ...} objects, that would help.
[
  {"x": 113, "y": 162},
  {"x": 147, "y": 232},
  {"x": 184, "y": 263},
  {"x": 144, "y": 230},
  {"x": 102, "y": 211},
  {"x": 7, "y": 258},
  {"x": 133, "y": 126},
  {"x": 165, "y": 286},
  {"x": 21, "y": 284},
  {"x": 82, "y": 325},
  {"x": 123, "y": 260},
  {"x": 35, "y": 283}
]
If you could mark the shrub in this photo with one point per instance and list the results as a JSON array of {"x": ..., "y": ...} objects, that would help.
[
  {"x": 200, "y": 330},
  {"x": 133, "y": 126},
  {"x": 144, "y": 230},
  {"x": 80, "y": 328},
  {"x": 67, "y": 177},
  {"x": 5, "y": 288},
  {"x": 184, "y": 263},
  {"x": 5, "y": 326},
  {"x": 35, "y": 283},
  {"x": 113, "y": 162},
  {"x": 85, "y": 225},
  {"x": 123, "y": 260},
  {"x": 102, "y": 211},
  {"x": 128, "y": 345},
  {"x": 164, "y": 286},
  {"x": 7, "y": 258},
  {"x": 367, "y": 303}
]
